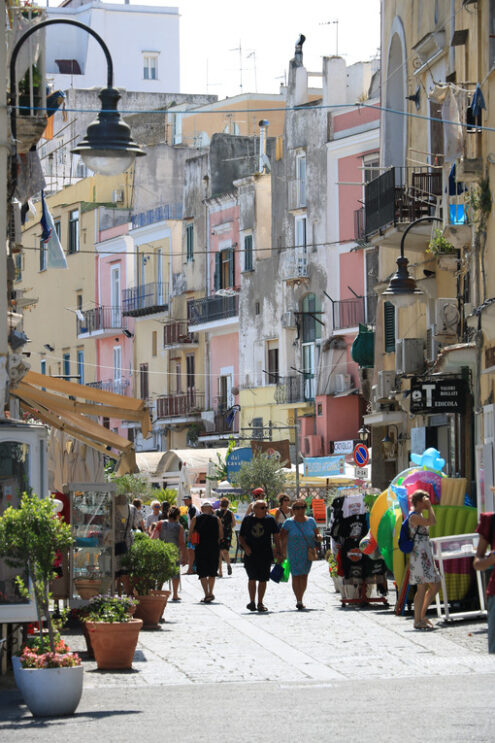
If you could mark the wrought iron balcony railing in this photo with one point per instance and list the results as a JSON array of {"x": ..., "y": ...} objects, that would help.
[
  {"x": 119, "y": 386},
  {"x": 175, "y": 333},
  {"x": 349, "y": 313},
  {"x": 145, "y": 299},
  {"x": 99, "y": 319},
  {"x": 210, "y": 309},
  {"x": 298, "y": 388},
  {"x": 180, "y": 404}
]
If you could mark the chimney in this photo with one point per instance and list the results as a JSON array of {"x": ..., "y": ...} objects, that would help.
[
  {"x": 263, "y": 163},
  {"x": 298, "y": 76}
]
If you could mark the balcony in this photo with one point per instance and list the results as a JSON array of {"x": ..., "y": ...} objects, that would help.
[
  {"x": 158, "y": 214},
  {"x": 295, "y": 268},
  {"x": 299, "y": 388},
  {"x": 297, "y": 194},
  {"x": 176, "y": 334},
  {"x": 180, "y": 405},
  {"x": 146, "y": 299},
  {"x": 401, "y": 195},
  {"x": 119, "y": 386},
  {"x": 100, "y": 321},
  {"x": 349, "y": 313},
  {"x": 212, "y": 309}
]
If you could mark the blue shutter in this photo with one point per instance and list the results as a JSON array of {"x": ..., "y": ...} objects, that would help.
[
  {"x": 217, "y": 279},
  {"x": 231, "y": 267}
]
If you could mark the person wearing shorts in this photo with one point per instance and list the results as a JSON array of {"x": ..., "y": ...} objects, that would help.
[{"x": 257, "y": 531}]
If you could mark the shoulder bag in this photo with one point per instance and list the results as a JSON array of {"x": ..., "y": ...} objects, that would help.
[{"x": 312, "y": 553}]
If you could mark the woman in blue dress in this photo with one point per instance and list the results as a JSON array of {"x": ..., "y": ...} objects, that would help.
[{"x": 297, "y": 534}]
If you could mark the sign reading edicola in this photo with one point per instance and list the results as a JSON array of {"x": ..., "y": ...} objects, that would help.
[{"x": 438, "y": 396}]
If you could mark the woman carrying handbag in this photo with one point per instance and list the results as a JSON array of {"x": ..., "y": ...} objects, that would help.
[{"x": 300, "y": 538}]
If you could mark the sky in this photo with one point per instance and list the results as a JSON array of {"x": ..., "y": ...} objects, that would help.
[{"x": 211, "y": 32}]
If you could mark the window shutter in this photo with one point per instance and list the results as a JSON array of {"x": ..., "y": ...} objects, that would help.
[
  {"x": 218, "y": 271},
  {"x": 389, "y": 326},
  {"x": 248, "y": 253},
  {"x": 231, "y": 267}
]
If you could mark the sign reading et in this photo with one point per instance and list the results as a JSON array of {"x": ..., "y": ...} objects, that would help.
[{"x": 438, "y": 396}]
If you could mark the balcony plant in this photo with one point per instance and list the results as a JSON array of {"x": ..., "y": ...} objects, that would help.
[
  {"x": 48, "y": 675},
  {"x": 111, "y": 631},
  {"x": 443, "y": 250},
  {"x": 150, "y": 563}
]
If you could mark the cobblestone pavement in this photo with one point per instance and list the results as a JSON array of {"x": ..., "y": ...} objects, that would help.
[{"x": 224, "y": 642}]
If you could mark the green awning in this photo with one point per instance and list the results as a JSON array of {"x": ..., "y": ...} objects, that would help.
[{"x": 363, "y": 348}]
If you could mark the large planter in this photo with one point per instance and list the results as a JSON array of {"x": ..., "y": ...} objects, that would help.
[
  {"x": 151, "y": 607},
  {"x": 114, "y": 643},
  {"x": 49, "y": 692},
  {"x": 88, "y": 587}
]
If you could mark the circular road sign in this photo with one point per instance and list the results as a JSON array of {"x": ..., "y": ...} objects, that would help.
[{"x": 361, "y": 455}]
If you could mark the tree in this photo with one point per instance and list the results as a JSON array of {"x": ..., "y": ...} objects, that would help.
[
  {"x": 263, "y": 471},
  {"x": 29, "y": 538}
]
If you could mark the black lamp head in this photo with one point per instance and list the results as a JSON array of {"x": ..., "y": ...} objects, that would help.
[
  {"x": 127, "y": 333},
  {"x": 108, "y": 147},
  {"x": 415, "y": 98}
]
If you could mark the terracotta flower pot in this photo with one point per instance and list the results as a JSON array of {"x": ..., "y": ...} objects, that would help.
[
  {"x": 87, "y": 637},
  {"x": 151, "y": 607},
  {"x": 114, "y": 644},
  {"x": 88, "y": 587}
]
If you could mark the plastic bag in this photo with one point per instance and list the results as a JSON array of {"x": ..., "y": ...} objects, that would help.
[
  {"x": 286, "y": 568},
  {"x": 277, "y": 572}
]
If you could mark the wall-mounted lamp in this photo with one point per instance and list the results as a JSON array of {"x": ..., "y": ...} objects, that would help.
[
  {"x": 402, "y": 290},
  {"x": 364, "y": 433},
  {"x": 389, "y": 444},
  {"x": 49, "y": 347},
  {"x": 127, "y": 333}
]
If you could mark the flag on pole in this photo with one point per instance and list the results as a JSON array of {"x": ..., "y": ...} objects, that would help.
[{"x": 56, "y": 255}]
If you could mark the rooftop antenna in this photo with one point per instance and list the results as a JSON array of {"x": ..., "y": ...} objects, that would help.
[
  {"x": 253, "y": 55},
  {"x": 336, "y": 24},
  {"x": 239, "y": 49}
]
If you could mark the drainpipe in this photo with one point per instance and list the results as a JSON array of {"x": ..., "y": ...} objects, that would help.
[
  {"x": 262, "y": 162},
  {"x": 4, "y": 149}
]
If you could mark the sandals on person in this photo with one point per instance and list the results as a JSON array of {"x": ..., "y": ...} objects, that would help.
[
  {"x": 261, "y": 608},
  {"x": 424, "y": 626},
  {"x": 251, "y": 606},
  {"x": 229, "y": 570},
  {"x": 177, "y": 598},
  {"x": 300, "y": 606},
  {"x": 208, "y": 599}
]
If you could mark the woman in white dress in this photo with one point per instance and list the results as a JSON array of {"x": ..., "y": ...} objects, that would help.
[{"x": 422, "y": 569}]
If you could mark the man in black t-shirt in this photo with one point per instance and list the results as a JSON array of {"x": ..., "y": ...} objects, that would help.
[{"x": 256, "y": 540}]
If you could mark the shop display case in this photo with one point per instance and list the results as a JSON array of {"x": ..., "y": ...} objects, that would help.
[{"x": 92, "y": 509}]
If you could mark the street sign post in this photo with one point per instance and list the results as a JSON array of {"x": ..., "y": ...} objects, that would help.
[{"x": 361, "y": 455}]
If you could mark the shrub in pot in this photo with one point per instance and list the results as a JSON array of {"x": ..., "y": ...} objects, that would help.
[
  {"x": 111, "y": 631},
  {"x": 150, "y": 563},
  {"x": 48, "y": 675}
]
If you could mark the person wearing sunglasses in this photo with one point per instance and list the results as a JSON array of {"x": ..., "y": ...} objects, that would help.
[
  {"x": 283, "y": 511},
  {"x": 297, "y": 535},
  {"x": 257, "y": 531}
]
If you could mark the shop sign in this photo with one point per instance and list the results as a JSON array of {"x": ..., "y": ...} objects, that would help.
[
  {"x": 274, "y": 448},
  {"x": 438, "y": 396},
  {"x": 323, "y": 466},
  {"x": 236, "y": 458},
  {"x": 343, "y": 447}
]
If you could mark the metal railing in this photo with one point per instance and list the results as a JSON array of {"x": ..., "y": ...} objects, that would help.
[
  {"x": 119, "y": 386},
  {"x": 158, "y": 214},
  {"x": 175, "y": 333},
  {"x": 209, "y": 309},
  {"x": 296, "y": 266},
  {"x": 98, "y": 319},
  {"x": 297, "y": 388},
  {"x": 144, "y": 299},
  {"x": 401, "y": 195},
  {"x": 179, "y": 405}
]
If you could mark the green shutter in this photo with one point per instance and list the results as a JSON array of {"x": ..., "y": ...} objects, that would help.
[
  {"x": 389, "y": 326},
  {"x": 217, "y": 279},
  {"x": 248, "y": 253}
]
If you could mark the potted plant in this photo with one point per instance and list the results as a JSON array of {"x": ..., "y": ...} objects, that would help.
[
  {"x": 150, "y": 563},
  {"x": 444, "y": 251},
  {"x": 111, "y": 631},
  {"x": 48, "y": 675},
  {"x": 25, "y": 91},
  {"x": 88, "y": 586}
]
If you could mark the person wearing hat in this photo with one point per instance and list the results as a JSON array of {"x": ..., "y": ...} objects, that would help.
[
  {"x": 209, "y": 528},
  {"x": 258, "y": 494},
  {"x": 192, "y": 512}
]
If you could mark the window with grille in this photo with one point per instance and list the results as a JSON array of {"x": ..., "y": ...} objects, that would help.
[
  {"x": 248, "y": 253},
  {"x": 189, "y": 242},
  {"x": 389, "y": 326}
]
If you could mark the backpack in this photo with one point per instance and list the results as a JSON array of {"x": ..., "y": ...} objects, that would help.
[{"x": 406, "y": 543}]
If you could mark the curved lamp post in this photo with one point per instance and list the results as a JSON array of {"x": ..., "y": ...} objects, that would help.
[
  {"x": 402, "y": 286},
  {"x": 108, "y": 147}
]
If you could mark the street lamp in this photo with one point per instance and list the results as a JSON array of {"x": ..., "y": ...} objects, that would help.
[
  {"x": 402, "y": 289},
  {"x": 364, "y": 433},
  {"x": 108, "y": 147}
]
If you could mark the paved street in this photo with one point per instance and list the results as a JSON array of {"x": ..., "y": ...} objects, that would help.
[{"x": 315, "y": 672}]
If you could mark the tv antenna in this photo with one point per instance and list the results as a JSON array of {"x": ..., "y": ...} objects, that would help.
[
  {"x": 336, "y": 24},
  {"x": 239, "y": 49},
  {"x": 253, "y": 55}
]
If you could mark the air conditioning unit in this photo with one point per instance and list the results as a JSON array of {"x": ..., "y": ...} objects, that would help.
[
  {"x": 312, "y": 446},
  {"x": 118, "y": 195},
  {"x": 386, "y": 383},
  {"x": 289, "y": 319},
  {"x": 446, "y": 316},
  {"x": 433, "y": 345},
  {"x": 341, "y": 383},
  {"x": 409, "y": 356}
]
